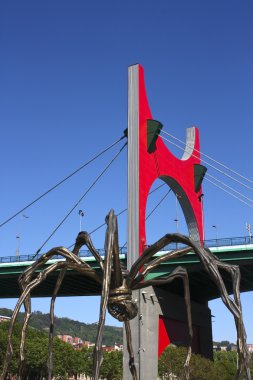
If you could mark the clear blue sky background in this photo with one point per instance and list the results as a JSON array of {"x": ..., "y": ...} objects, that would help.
[{"x": 63, "y": 96}]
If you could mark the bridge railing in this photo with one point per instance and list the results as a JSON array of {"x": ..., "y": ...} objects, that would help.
[
  {"x": 233, "y": 241},
  {"x": 82, "y": 253},
  {"x": 224, "y": 242}
]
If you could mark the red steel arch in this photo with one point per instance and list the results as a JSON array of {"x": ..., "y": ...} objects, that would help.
[{"x": 182, "y": 175}]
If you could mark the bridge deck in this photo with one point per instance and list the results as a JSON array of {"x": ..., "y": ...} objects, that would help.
[{"x": 75, "y": 284}]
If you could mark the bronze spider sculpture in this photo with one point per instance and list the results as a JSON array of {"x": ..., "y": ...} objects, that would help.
[{"x": 117, "y": 286}]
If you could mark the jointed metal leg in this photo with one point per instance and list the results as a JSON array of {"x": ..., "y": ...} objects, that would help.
[
  {"x": 109, "y": 249},
  {"x": 234, "y": 305},
  {"x": 27, "y": 305},
  {"x": 212, "y": 266},
  {"x": 130, "y": 350},
  {"x": 51, "y": 330},
  {"x": 121, "y": 288},
  {"x": 82, "y": 238},
  {"x": 24, "y": 280},
  {"x": 26, "y": 293}
]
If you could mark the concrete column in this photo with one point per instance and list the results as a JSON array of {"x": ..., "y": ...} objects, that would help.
[
  {"x": 144, "y": 336},
  {"x": 152, "y": 303}
]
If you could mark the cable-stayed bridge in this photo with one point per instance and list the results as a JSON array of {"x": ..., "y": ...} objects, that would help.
[
  {"x": 149, "y": 159},
  {"x": 237, "y": 251}
]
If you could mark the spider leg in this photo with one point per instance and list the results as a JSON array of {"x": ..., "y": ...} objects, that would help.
[
  {"x": 156, "y": 262},
  {"x": 130, "y": 350},
  {"x": 51, "y": 330},
  {"x": 181, "y": 273},
  {"x": 117, "y": 276},
  {"x": 109, "y": 245},
  {"x": 89, "y": 244},
  {"x": 234, "y": 305},
  {"x": 212, "y": 266},
  {"x": 151, "y": 251},
  {"x": 26, "y": 276},
  {"x": 27, "y": 306},
  {"x": 24, "y": 280},
  {"x": 80, "y": 241},
  {"x": 80, "y": 267}
]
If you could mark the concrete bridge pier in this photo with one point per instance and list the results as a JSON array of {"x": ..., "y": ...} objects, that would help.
[{"x": 162, "y": 319}]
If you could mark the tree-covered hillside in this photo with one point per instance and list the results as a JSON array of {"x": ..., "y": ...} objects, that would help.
[{"x": 68, "y": 326}]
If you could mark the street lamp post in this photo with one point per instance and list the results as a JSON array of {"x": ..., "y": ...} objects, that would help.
[
  {"x": 216, "y": 233},
  {"x": 248, "y": 228},
  {"x": 177, "y": 219},
  {"x": 18, "y": 247},
  {"x": 81, "y": 214},
  {"x": 18, "y": 237}
]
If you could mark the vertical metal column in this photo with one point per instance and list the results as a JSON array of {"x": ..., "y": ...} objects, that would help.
[
  {"x": 133, "y": 166},
  {"x": 145, "y": 326},
  {"x": 133, "y": 202}
]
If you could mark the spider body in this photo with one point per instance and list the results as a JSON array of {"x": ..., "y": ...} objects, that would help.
[
  {"x": 120, "y": 303},
  {"x": 116, "y": 291}
]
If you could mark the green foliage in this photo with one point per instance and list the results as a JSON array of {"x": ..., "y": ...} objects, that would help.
[
  {"x": 172, "y": 363},
  {"x": 3, "y": 339},
  {"x": 226, "y": 361},
  {"x": 66, "y": 361},
  {"x": 68, "y": 326},
  {"x": 111, "y": 368},
  {"x": 69, "y": 362},
  {"x": 223, "y": 367}
]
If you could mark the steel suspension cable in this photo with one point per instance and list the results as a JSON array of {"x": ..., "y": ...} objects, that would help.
[
  {"x": 62, "y": 181},
  {"x": 212, "y": 166},
  {"x": 120, "y": 213},
  {"x": 156, "y": 206},
  {"x": 210, "y": 158},
  {"x": 80, "y": 199},
  {"x": 228, "y": 192},
  {"x": 229, "y": 187}
]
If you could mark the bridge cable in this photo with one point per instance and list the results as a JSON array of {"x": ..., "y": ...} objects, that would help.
[
  {"x": 219, "y": 180},
  {"x": 228, "y": 192},
  {"x": 120, "y": 213},
  {"x": 62, "y": 181},
  {"x": 207, "y": 163},
  {"x": 229, "y": 187},
  {"x": 156, "y": 206},
  {"x": 77, "y": 203},
  {"x": 210, "y": 158}
]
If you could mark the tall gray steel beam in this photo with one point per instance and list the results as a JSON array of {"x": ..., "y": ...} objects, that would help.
[
  {"x": 133, "y": 166},
  {"x": 145, "y": 326}
]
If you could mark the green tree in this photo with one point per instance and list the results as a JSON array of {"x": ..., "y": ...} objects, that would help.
[
  {"x": 63, "y": 359},
  {"x": 112, "y": 367},
  {"x": 226, "y": 362},
  {"x": 172, "y": 362},
  {"x": 36, "y": 354},
  {"x": 66, "y": 361},
  {"x": 4, "y": 327},
  {"x": 87, "y": 360}
]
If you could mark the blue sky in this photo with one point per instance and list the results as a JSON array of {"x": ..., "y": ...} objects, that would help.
[{"x": 63, "y": 96}]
